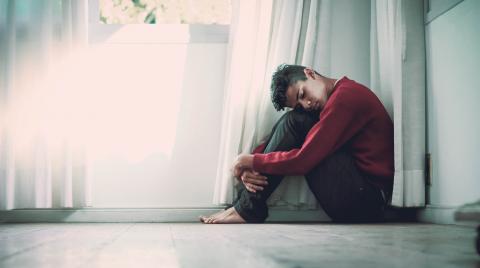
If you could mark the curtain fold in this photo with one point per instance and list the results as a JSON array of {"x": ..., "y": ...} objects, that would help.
[
  {"x": 300, "y": 32},
  {"x": 307, "y": 25},
  {"x": 284, "y": 32},
  {"x": 41, "y": 166},
  {"x": 398, "y": 78},
  {"x": 247, "y": 52}
]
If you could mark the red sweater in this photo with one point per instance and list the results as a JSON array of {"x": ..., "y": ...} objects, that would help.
[{"x": 352, "y": 114}]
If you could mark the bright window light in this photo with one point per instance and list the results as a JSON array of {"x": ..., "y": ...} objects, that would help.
[{"x": 117, "y": 101}]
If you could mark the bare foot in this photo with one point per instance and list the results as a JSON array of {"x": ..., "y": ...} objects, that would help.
[
  {"x": 204, "y": 218},
  {"x": 227, "y": 216}
]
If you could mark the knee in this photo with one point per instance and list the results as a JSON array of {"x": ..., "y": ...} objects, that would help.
[
  {"x": 341, "y": 157},
  {"x": 300, "y": 119}
]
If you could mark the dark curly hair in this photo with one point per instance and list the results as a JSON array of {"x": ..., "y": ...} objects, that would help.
[{"x": 282, "y": 78}]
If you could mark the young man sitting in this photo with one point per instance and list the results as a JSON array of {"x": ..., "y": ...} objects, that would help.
[{"x": 338, "y": 135}]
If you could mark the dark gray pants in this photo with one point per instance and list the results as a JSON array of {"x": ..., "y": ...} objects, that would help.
[{"x": 344, "y": 193}]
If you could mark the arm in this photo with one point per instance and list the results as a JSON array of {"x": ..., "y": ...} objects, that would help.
[
  {"x": 245, "y": 161},
  {"x": 260, "y": 148},
  {"x": 338, "y": 124},
  {"x": 252, "y": 180}
]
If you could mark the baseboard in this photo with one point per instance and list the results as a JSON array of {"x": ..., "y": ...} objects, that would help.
[
  {"x": 440, "y": 215},
  {"x": 143, "y": 215},
  {"x": 430, "y": 214}
]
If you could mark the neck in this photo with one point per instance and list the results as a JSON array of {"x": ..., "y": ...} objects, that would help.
[{"x": 330, "y": 85}]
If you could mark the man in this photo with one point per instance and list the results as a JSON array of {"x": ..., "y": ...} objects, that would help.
[{"x": 338, "y": 135}]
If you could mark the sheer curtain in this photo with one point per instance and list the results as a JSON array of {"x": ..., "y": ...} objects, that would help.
[
  {"x": 300, "y": 32},
  {"x": 265, "y": 34},
  {"x": 398, "y": 78},
  {"x": 247, "y": 55},
  {"x": 41, "y": 164}
]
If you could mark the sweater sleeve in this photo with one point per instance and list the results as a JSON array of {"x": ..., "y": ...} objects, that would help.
[
  {"x": 337, "y": 124},
  {"x": 260, "y": 148}
]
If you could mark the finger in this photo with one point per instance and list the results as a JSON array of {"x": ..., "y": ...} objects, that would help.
[
  {"x": 250, "y": 189},
  {"x": 254, "y": 176},
  {"x": 255, "y": 181},
  {"x": 258, "y": 187},
  {"x": 250, "y": 177},
  {"x": 260, "y": 177},
  {"x": 255, "y": 187},
  {"x": 247, "y": 172},
  {"x": 260, "y": 182}
]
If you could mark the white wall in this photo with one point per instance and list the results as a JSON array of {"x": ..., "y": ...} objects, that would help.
[
  {"x": 350, "y": 40},
  {"x": 453, "y": 93}
]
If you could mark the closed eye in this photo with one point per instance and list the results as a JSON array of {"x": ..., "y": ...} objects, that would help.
[{"x": 300, "y": 95}]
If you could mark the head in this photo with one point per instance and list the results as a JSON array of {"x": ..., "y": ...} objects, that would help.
[{"x": 298, "y": 87}]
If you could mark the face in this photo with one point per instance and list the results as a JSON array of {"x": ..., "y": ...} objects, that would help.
[{"x": 310, "y": 94}]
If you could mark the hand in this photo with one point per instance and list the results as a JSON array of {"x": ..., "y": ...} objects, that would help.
[
  {"x": 242, "y": 163},
  {"x": 253, "y": 181}
]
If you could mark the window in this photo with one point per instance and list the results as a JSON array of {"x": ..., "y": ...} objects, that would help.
[
  {"x": 165, "y": 11},
  {"x": 159, "y": 90},
  {"x": 159, "y": 21}
]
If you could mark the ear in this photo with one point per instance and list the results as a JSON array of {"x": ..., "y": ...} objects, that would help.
[{"x": 309, "y": 72}]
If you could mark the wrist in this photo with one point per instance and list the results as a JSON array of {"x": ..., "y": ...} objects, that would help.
[
  {"x": 250, "y": 161},
  {"x": 246, "y": 161}
]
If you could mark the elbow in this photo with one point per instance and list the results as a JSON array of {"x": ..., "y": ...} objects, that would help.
[
  {"x": 301, "y": 167},
  {"x": 303, "y": 170}
]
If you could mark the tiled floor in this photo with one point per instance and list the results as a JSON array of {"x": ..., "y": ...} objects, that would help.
[{"x": 253, "y": 245}]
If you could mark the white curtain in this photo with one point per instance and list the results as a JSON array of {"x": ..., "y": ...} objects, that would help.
[
  {"x": 247, "y": 54},
  {"x": 265, "y": 34},
  {"x": 300, "y": 32},
  {"x": 398, "y": 78},
  {"x": 41, "y": 165}
]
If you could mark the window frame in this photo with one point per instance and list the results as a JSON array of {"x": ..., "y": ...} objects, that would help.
[{"x": 99, "y": 33}]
